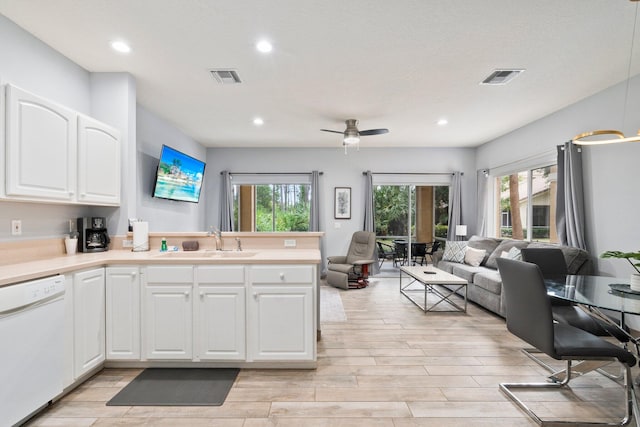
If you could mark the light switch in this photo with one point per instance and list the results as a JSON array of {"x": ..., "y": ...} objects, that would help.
[{"x": 337, "y": 225}]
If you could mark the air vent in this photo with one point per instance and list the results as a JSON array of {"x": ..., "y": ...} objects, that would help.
[
  {"x": 225, "y": 77},
  {"x": 501, "y": 77}
]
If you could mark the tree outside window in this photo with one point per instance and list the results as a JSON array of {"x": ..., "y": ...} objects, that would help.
[
  {"x": 527, "y": 205},
  {"x": 272, "y": 207}
]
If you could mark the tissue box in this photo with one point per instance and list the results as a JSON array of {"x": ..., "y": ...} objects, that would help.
[{"x": 190, "y": 245}]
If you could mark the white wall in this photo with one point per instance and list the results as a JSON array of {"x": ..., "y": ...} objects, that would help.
[
  {"x": 341, "y": 171},
  {"x": 164, "y": 215},
  {"x": 113, "y": 101},
  {"x": 611, "y": 172}
]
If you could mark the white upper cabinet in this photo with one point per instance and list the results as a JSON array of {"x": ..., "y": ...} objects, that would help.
[
  {"x": 98, "y": 162},
  {"x": 56, "y": 154},
  {"x": 41, "y": 147}
]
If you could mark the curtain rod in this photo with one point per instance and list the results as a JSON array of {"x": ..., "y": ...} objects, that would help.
[
  {"x": 271, "y": 173},
  {"x": 411, "y": 173}
]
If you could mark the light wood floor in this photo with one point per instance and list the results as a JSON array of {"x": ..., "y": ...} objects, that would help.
[{"x": 389, "y": 364}]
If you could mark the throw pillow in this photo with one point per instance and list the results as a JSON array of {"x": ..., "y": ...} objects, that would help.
[
  {"x": 504, "y": 246},
  {"x": 489, "y": 244},
  {"x": 514, "y": 253},
  {"x": 473, "y": 256},
  {"x": 454, "y": 251}
]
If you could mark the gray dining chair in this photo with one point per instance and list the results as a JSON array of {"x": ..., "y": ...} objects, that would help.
[
  {"x": 552, "y": 263},
  {"x": 529, "y": 317}
]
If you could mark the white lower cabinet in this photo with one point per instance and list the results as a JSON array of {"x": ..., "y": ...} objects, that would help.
[
  {"x": 88, "y": 320},
  {"x": 123, "y": 313},
  {"x": 168, "y": 312},
  {"x": 214, "y": 313},
  {"x": 220, "y": 313},
  {"x": 281, "y": 313}
]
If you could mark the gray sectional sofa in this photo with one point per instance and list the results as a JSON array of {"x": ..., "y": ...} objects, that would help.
[{"x": 485, "y": 285}]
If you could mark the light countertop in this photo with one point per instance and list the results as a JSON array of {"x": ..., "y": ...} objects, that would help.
[{"x": 19, "y": 272}]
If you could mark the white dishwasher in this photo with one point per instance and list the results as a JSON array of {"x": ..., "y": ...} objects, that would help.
[{"x": 32, "y": 342}]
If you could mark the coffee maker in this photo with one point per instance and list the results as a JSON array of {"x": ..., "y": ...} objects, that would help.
[{"x": 93, "y": 236}]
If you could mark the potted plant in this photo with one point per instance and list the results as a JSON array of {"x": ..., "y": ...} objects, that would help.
[{"x": 634, "y": 260}]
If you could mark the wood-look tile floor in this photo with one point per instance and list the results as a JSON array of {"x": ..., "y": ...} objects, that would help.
[{"x": 389, "y": 364}]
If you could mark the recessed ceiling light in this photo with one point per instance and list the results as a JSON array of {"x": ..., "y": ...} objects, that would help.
[
  {"x": 264, "y": 46},
  {"x": 258, "y": 121},
  {"x": 443, "y": 122},
  {"x": 121, "y": 46}
]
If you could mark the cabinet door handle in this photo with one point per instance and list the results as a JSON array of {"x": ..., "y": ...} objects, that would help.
[
  {"x": 133, "y": 274},
  {"x": 186, "y": 294},
  {"x": 255, "y": 295},
  {"x": 281, "y": 276},
  {"x": 201, "y": 294}
]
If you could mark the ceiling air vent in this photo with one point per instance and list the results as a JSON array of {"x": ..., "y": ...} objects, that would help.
[
  {"x": 501, "y": 77},
  {"x": 225, "y": 77}
]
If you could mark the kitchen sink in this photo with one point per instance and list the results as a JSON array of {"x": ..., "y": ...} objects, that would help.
[
  {"x": 207, "y": 254},
  {"x": 235, "y": 254}
]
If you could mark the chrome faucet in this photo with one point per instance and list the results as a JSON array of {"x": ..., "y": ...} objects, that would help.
[
  {"x": 239, "y": 248},
  {"x": 217, "y": 234}
]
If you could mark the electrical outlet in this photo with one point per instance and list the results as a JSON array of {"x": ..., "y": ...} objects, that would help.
[
  {"x": 289, "y": 243},
  {"x": 16, "y": 227},
  {"x": 127, "y": 243}
]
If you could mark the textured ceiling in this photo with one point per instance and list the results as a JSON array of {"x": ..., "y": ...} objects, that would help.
[{"x": 401, "y": 65}]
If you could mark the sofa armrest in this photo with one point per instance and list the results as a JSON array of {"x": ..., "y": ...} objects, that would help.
[
  {"x": 364, "y": 261},
  {"x": 338, "y": 259},
  {"x": 436, "y": 257}
]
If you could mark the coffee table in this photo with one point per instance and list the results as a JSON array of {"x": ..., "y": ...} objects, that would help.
[{"x": 427, "y": 283}]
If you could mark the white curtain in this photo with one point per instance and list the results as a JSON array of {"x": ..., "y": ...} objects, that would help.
[
  {"x": 226, "y": 203},
  {"x": 570, "y": 197},
  {"x": 455, "y": 207}
]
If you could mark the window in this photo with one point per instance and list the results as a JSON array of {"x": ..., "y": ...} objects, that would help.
[
  {"x": 271, "y": 207},
  {"x": 526, "y": 205}
]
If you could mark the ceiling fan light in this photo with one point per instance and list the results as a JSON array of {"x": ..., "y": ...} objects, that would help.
[{"x": 351, "y": 139}]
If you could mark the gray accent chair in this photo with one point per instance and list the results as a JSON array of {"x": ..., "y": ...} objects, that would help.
[
  {"x": 351, "y": 270},
  {"x": 529, "y": 317}
]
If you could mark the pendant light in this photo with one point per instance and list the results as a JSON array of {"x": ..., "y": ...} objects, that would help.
[{"x": 613, "y": 136}]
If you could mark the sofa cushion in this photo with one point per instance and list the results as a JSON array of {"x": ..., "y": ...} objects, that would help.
[
  {"x": 504, "y": 246},
  {"x": 489, "y": 280},
  {"x": 465, "y": 271},
  {"x": 454, "y": 251},
  {"x": 578, "y": 260},
  {"x": 447, "y": 266},
  {"x": 488, "y": 244}
]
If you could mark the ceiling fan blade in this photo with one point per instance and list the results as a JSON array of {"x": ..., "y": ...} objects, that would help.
[
  {"x": 333, "y": 131},
  {"x": 373, "y": 132}
]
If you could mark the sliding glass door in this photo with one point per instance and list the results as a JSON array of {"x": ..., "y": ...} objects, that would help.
[{"x": 408, "y": 214}]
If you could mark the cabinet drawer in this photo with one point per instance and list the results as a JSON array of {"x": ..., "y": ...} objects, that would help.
[
  {"x": 220, "y": 274},
  {"x": 282, "y": 274},
  {"x": 170, "y": 274}
]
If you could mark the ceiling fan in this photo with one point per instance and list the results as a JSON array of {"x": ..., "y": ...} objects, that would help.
[{"x": 352, "y": 134}]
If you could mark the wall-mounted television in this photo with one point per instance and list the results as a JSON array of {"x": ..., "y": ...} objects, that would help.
[{"x": 178, "y": 177}]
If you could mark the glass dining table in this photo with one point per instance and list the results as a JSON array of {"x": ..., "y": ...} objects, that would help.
[{"x": 596, "y": 292}]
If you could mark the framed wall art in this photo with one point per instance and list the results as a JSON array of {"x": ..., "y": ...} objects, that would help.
[{"x": 342, "y": 203}]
